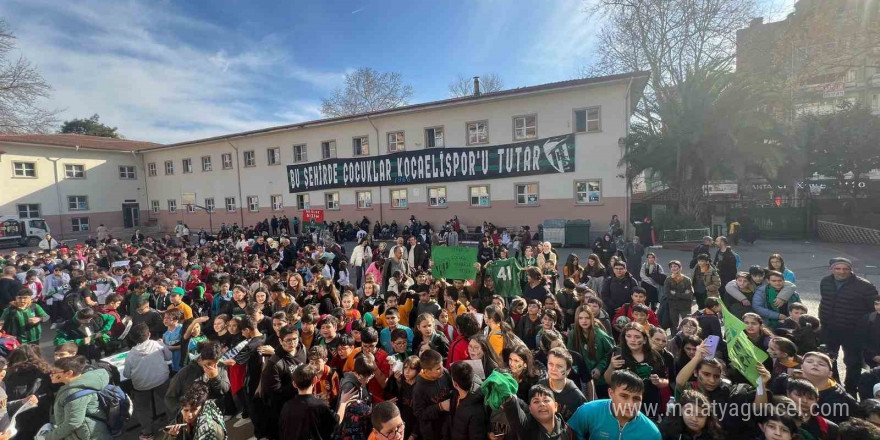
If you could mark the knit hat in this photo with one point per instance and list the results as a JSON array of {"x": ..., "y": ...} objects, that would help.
[
  {"x": 497, "y": 387},
  {"x": 840, "y": 260},
  {"x": 177, "y": 291}
]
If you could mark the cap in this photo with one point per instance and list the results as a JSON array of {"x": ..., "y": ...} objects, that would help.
[
  {"x": 840, "y": 260},
  {"x": 177, "y": 291}
]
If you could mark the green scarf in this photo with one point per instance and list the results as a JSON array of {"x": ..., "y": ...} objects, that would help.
[{"x": 497, "y": 387}]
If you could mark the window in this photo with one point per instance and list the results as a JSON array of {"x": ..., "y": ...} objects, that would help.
[
  {"x": 172, "y": 206},
  {"x": 364, "y": 199},
  {"x": 226, "y": 158},
  {"x": 477, "y": 132},
  {"x": 875, "y": 102},
  {"x": 77, "y": 203},
  {"x": 24, "y": 169},
  {"x": 206, "y": 163},
  {"x": 127, "y": 173},
  {"x": 525, "y": 127},
  {"x": 398, "y": 198},
  {"x": 151, "y": 169},
  {"x": 209, "y": 204},
  {"x": 331, "y": 201},
  {"x": 302, "y": 201},
  {"x": 527, "y": 194},
  {"x": 187, "y": 166},
  {"x": 74, "y": 171},
  {"x": 277, "y": 202},
  {"x": 273, "y": 156},
  {"x": 154, "y": 206},
  {"x": 434, "y": 137},
  {"x": 587, "y": 192},
  {"x": 230, "y": 204},
  {"x": 479, "y": 196},
  {"x": 253, "y": 203},
  {"x": 328, "y": 150},
  {"x": 396, "y": 142},
  {"x": 587, "y": 120},
  {"x": 361, "y": 146},
  {"x": 79, "y": 224},
  {"x": 31, "y": 210},
  {"x": 250, "y": 160},
  {"x": 300, "y": 153},
  {"x": 437, "y": 197},
  {"x": 851, "y": 75},
  {"x": 190, "y": 208},
  {"x": 169, "y": 167}
]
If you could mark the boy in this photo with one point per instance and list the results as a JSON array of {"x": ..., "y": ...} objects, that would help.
[
  {"x": 709, "y": 318},
  {"x": 23, "y": 319},
  {"x": 147, "y": 369},
  {"x": 806, "y": 397},
  {"x": 344, "y": 349},
  {"x": 392, "y": 318},
  {"x": 144, "y": 314},
  {"x": 88, "y": 329},
  {"x": 307, "y": 330},
  {"x": 542, "y": 421},
  {"x": 176, "y": 299},
  {"x": 387, "y": 423},
  {"x": 305, "y": 414},
  {"x": 399, "y": 345},
  {"x": 640, "y": 315},
  {"x": 603, "y": 419},
  {"x": 638, "y": 296},
  {"x": 528, "y": 326},
  {"x": 566, "y": 394},
  {"x": 431, "y": 396},
  {"x": 172, "y": 336},
  {"x": 250, "y": 357},
  {"x": 328, "y": 337},
  {"x": 468, "y": 418}
]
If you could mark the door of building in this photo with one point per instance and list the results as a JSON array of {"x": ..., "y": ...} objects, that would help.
[{"x": 131, "y": 215}]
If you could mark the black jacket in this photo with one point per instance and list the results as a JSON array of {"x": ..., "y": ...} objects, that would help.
[
  {"x": 217, "y": 387},
  {"x": 725, "y": 262},
  {"x": 277, "y": 380},
  {"x": 525, "y": 425},
  {"x": 700, "y": 249},
  {"x": 427, "y": 396},
  {"x": 307, "y": 418},
  {"x": 289, "y": 257},
  {"x": 420, "y": 257},
  {"x": 841, "y": 310},
  {"x": 617, "y": 292},
  {"x": 470, "y": 419}
]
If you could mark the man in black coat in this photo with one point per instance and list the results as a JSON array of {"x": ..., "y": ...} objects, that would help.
[
  {"x": 617, "y": 289},
  {"x": 703, "y": 248},
  {"x": 844, "y": 304},
  {"x": 9, "y": 286},
  {"x": 288, "y": 253},
  {"x": 418, "y": 256},
  {"x": 277, "y": 385},
  {"x": 725, "y": 261}
]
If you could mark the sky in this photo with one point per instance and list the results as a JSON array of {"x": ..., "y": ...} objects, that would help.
[{"x": 170, "y": 71}]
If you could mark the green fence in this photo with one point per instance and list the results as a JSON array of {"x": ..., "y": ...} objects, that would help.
[
  {"x": 683, "y": 235},
  {"x": 776, "y": 222}
]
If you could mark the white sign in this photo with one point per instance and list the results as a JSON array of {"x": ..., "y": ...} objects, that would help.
[
  {"x": 719, "y": 188},
  {"x": 121, "y": 263},
  {"x": 834, "y": 90}
]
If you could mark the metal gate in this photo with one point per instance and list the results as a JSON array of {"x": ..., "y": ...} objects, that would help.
[{"x": 774, "y": 222}]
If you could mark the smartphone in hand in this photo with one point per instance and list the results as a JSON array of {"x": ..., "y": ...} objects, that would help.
[
  {"x": 616, "y": 352},
  {"x": 712, "y": 345}
]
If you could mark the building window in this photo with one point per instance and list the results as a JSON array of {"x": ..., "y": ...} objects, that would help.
[
  {"x": 209, "y": 204},
  {"x": 77, "y": 203},
  {"x": 277, "y": 202},
  {"x": 300, "y": 153},
  {"x": 437, "y": 197},
  {"x": 479, "y": 196},
  {"x": 328, "y": 150},
  {"x": 190, "y": 208},
  {"x": 364, "y": 199},
  {"x": 230, "y": 204},
  {"x": 253, "y": 204},
  {"x": 477, "y": 132},
  {"x": 331, "y": 201},
  {"x": 851, "y": 75},
  {"x": 273, "y": 156},
  {"x": 875, "y": 102},
  {"x": 398, "y": 199},
  {"x": 525, "y": 127},
  {"x": 31, "y": 210},
  {"x": 250, "y": 160},
  {"x": 302, "y": 201},
  {"x": 172, "y": 206},
  {"x": 169, "y": 168},
  {"x": 226, "y": 158},
  {"x": 587, "y": 120},
  {"x": 151, "y": 169},
  {"x": 206, "y": 163},
  {"x": 74, "y": 171},
  {"x": 587, "y": 192},
  {"x": 79, "y": 224},
  {"x": 127, "y": 173},
  {"x": 527, "y": 194},
  {"x": 361, "y": 146},
  {"x": 396, "y": 142},
  {"x": 154, "y": 206},
  {"x": 187, "y": 166},
  {"x": 24, "y": 169},
  {"x": 434, "y": 137}
]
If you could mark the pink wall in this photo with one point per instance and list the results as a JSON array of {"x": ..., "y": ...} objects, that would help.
[{"x": 61, "y": 227}]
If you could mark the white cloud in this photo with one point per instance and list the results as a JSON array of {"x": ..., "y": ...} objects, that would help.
[{"x": 122, "y": 60}]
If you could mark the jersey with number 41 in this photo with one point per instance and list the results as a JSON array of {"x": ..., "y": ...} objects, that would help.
[{"x": 506, "y": 274}]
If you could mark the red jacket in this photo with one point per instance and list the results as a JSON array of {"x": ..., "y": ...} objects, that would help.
[
  {"x": 626, "y": 310},
  {"x": 458, "y": 351}
]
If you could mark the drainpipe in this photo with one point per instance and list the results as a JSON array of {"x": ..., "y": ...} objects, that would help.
[
  {"x": 58, "y": 195},
  {"x": 628, "y": 195},
  {"x": 381, "y": 217},
  {"x": 146, "y": 188},
  {"x": 238, "y": 172}
]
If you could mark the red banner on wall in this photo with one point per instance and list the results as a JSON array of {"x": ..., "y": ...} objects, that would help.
[{"x": 313, "y": 214}]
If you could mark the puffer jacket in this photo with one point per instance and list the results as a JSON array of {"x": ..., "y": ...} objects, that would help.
[
  {"x": 74, "y": 420},
  {"x": 841, "y": 309},
  {"x": 617, "y": 291}
]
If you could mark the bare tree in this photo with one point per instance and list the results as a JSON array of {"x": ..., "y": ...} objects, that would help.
[
  {"x": 462, "y": 86},
  {"x": 367, "y": 90},
  {"x": 21, "y": 87}
]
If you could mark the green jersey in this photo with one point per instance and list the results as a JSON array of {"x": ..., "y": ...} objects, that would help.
[
  {"x": 16, "y": 322},
  {"x": 506, "y": 274}
]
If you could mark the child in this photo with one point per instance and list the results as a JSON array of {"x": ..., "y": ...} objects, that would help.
[
  {"x": 796, "y": 310},
  {"x": 431, "y": 395},
  {"x": 307, "y": 330},
  {"x": 88, "y": 329},
  {"x": 327, "y": 386},
  {"x": 23, "y": 319},
  {"x": 402, "y": 386},
  {"x": 349, "y": 304},
  {"x": 306, "y": 414},
  {"x": 428, "y": 337},
  {"x": 640, "y": 315},
  {"x": 344, "y": 280},
  {"x": 34, "y": 285},
  {"x": 392, "y": 318},
  {"x": 387, "y": 422},
  {"x": 399, "y": 345},
  {"x": 444, "y": 326},
  {"x": 344, "y": 348},
  {"x": 172, "y": 336},
  {"x": 638, "y": 296},
  {"x": 542, "y": 421},
  {"x": 328, "y": 337},
  {"x": 709, "y": 318}
]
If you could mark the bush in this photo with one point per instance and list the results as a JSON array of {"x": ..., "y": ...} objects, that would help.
[{"x": 667, "y": 221}]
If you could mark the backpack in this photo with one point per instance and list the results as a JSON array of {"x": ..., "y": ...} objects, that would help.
[
  {"x": 114, "y": 404},
  {"x": 8, "y": 344},
  {"x": 739, "y": 262}
]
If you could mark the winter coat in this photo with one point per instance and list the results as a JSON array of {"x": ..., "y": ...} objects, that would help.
[
  {"x": 680, "y": 293},
  {"x": 361, "y": 256},
  {"x": 24, "y": 380},
  {"x": 217, "y": 387},
  {"x": 734, "y": 299},
  {"x": 842, "y": 309},
  {"x": 711, "y": 280},
  {"x": 527, "y": 427},
  {"x": 276, "y": 383},
  {"x": 146, "y": 365},
  {"x": 617, "y": 291},
  {"x": 469, "y": 417},
  {"x": 763, "y": 307},
  {"x": 74, "y": 420},
  {"x": 726, "y": 264}
]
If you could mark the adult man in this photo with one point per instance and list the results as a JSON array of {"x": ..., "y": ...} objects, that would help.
[
  {"x": 617, "y": 417},
  {"x": 617, "y": 289},
  {"x": 844, "y": 302},
  {"x": 702, "y": 248},
  {"x": 9, "y": 286},
  {"x": 48, "y": 243},
  {"x": 417, "y": 255},
  {"x": 725, "y": 260},
  {"x": 146, "y": 366},
  {"x": 205, "y": 369},
  {"x": 394, "y": 264}
]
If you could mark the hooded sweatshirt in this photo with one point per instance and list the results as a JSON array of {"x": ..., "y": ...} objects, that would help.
[
  {"x": 427, "y": 395},
  {"x": 147, "y": 365},
  {"x": 570, "y": 398},
  {"x": 74, "y": 419}
]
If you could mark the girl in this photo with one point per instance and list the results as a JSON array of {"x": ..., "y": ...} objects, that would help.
[
  {"x": 523, "y": 368},
  {"x": 499, "y": 331},
  {"x": 598, "y": 308},
  {"x": 693, "y": 419},
  {"x": 402, "y": 387},
  {"x": 594, "y": 345},
  {"x": 219, "y": 332},
  {"x": 658, "y": 343},
  {"x": 349, "y": 306},
  {"x": 480, "y": 350},
  {"x": 376, "y": 267},
  {"x": 261, "y": 299},
  {"x": 638, "y": 356},
  {"x": 295, "y": 286},
  {"x": 572, "y": 269},
  {"x": 775, "y": 262},
  {"x": 427, "y": 336},
  {"x": 755, "y": 330},
  {"x": 193, "y": 337},
  {"x": 328, "y": 297},
  {"x": 369, "y": 302},
  {"x": 342, "y": 275},
  {"x": 596, "y": 271},
  {"x": 551, "y": 303},
  {"x": 687, "y": 327},
  {"x": 445, "y": 326},
  {"x": 687, "y": 351},
  {"x": 784, "y": 355}
]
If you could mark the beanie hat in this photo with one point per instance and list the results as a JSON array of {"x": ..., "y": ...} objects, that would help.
[{"x": 840, "y": 260}]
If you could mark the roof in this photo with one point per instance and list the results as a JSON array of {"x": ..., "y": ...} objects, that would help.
[
  {"x": 67, "y": 140},
  {"x": 640, "y": 79}
]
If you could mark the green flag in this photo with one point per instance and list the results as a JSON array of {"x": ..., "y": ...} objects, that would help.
[
  {"x": 743, "y": 355},
  {"x": 453, "y": 262}
]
